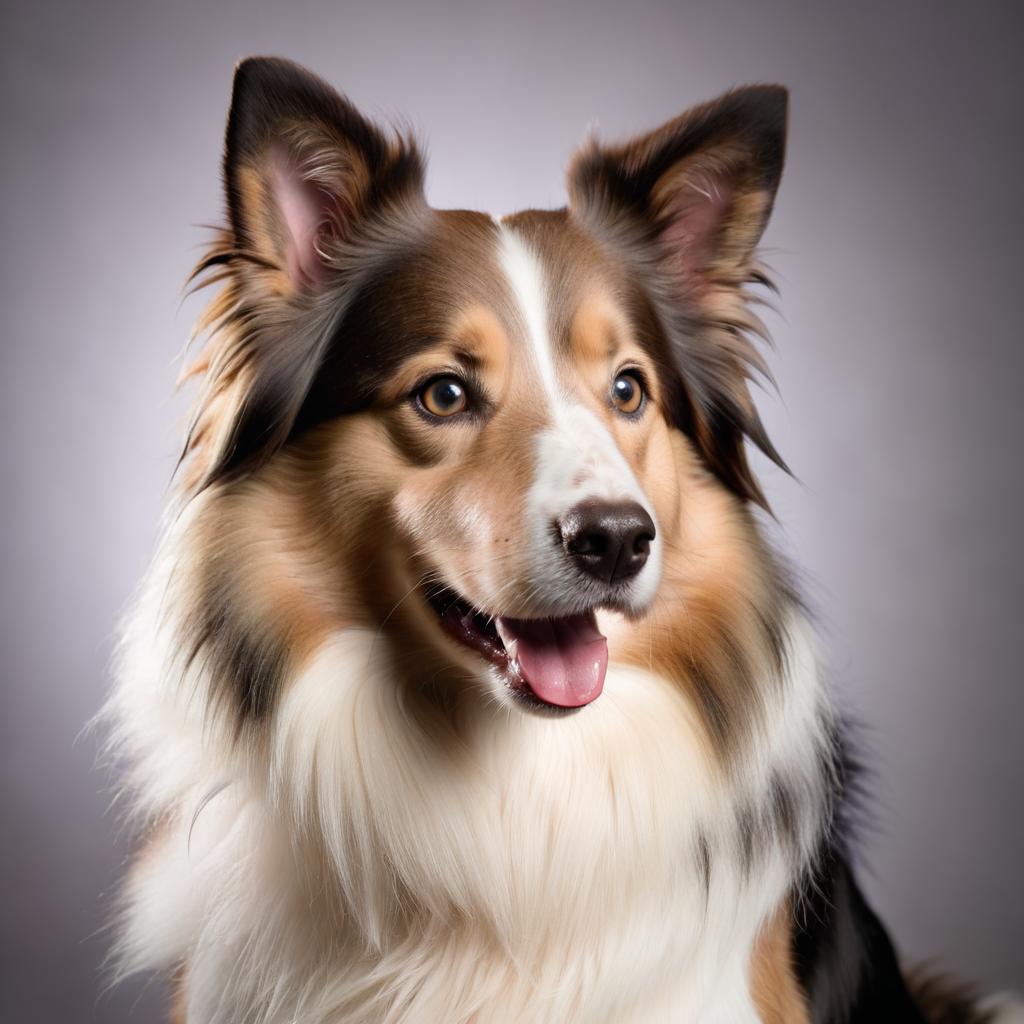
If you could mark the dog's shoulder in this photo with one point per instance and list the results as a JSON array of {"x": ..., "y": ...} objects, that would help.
[{"x": 844, "y": 958}]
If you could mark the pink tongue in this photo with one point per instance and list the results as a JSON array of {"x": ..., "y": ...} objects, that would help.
[{"x": 562, "y": 660}]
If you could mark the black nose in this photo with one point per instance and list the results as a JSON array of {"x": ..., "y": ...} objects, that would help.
[{"x": 609, "y": 541}]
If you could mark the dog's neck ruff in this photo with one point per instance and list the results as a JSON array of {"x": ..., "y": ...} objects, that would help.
[{"x": 377, "y": 858}]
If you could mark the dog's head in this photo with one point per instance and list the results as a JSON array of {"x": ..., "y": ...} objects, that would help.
[{"x": 472, "y": 434}]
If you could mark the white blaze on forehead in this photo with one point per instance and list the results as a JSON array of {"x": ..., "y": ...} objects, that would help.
[
  {"x": 578, "y": 459},
  {"x": 526, "y": 279}
]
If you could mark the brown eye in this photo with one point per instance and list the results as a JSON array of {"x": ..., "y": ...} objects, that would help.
[
  {"x": 444, "y": 396},
  {"x": 627, "y": 393}
]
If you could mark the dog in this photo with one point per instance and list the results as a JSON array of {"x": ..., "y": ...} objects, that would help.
[{"x": 465, "y": 685}]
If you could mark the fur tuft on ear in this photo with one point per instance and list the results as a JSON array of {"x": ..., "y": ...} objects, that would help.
[
  {"x": 687, "y": 204},
  {"x": 315, "y": 193}
]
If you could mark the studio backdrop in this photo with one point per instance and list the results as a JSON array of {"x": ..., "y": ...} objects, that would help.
[{"x": 899, "y": 365}]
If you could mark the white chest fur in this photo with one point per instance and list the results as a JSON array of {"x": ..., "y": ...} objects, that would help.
[{"x": 380, "y": 861}]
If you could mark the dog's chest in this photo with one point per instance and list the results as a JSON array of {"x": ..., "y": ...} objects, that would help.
[
  {"x": 573, "y": 932},
  {"x": 570, "y": 870},
  {"x": 584, "y": 870}
]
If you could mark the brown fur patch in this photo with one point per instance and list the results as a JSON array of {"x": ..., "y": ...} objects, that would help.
[
  {"x": 179, "y": 999},
  {"x": 717, "y": 620},
  {"x": 773, "y": 982}
]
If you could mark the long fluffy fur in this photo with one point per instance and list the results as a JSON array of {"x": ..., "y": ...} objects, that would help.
[
  {"x": 352, "y": 782},
  {"x": 336, "y": 827}
]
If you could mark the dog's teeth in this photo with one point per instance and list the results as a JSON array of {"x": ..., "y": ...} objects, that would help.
[{"x": 507, "y": 639}]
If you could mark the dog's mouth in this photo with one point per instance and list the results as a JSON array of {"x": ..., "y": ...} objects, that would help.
[{"x": 550, "y": 663}]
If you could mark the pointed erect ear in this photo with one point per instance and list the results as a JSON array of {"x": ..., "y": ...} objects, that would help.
[
  {"x": 689, "y": 202},
  {"x": 704, "y": 182},
  {"x": 316, "y": 195},
  {"x": 303, "y": 168}
]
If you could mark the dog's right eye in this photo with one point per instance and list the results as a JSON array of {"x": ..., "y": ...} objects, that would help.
[{"x": 444, "y": 396}]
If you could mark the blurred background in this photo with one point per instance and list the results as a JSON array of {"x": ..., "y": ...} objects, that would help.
[{"x": 899, "y": 363}]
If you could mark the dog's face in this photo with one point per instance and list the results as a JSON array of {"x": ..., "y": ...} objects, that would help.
[
  {"x": 516, "y": 449},
  {"x": 480, "y": 434}
]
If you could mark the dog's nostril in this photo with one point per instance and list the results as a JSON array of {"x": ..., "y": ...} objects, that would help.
[
  {"x": 607, "y": 540},
  {"x": 587, "y": 544}
]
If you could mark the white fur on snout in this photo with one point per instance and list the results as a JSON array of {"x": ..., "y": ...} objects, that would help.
[{"x": 579, "y": 461}]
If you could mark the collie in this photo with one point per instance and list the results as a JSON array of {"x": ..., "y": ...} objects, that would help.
[{"x": 464, "y": 685}]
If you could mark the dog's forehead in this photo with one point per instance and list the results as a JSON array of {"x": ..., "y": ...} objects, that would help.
[
  {"x": 545, "y": 280},
  {"x": 532, "y": 288}
]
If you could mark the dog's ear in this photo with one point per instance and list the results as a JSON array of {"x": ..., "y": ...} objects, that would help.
[
  {"x": 303, "y": 168},
  {"x": 315, "y": 193},
  {"x": 687, "y": 203}
]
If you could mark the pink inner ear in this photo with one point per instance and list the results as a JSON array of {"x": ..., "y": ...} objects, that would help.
[
  {"x": 303, "y": 209},
  {"x": 697, "y": 217}
]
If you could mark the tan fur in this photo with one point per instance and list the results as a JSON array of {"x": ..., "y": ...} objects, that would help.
[
  {"x": 282, "y": 582},
  {"x": 710, "y": 543},
  {"x": 777, "y": 993},
  {"x": 179, "y": 999},
  {"x": 268, "y": 236}
]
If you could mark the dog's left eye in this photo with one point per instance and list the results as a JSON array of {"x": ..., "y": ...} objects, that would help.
[
  {"x": 627, "y": 393},
  {"x": 444, "y": 396}
]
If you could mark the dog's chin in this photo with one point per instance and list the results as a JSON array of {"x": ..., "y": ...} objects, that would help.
[{"x": 550, "y": 665}]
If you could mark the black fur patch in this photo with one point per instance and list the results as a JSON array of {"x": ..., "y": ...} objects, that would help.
[
  {"x": 844, "y": 959},
  {"x": 245, "y": 669}
]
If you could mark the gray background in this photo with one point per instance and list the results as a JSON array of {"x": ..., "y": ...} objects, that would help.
[{"x": 899, "y": 363}]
